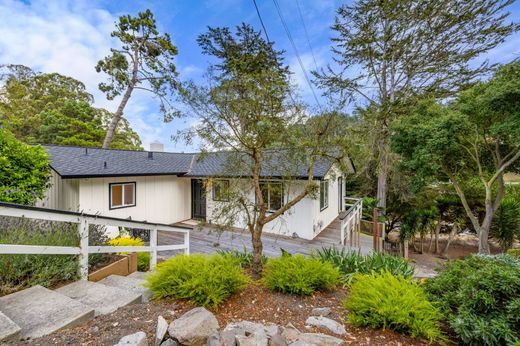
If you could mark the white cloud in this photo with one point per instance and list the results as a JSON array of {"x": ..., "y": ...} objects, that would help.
[{"x": 69, "y": 37}]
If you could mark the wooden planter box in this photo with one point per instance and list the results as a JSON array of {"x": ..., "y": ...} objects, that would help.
[{"x": 124, "y": 266}]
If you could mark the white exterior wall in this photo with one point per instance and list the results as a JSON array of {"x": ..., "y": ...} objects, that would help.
[
  {"x": 161, "y": 199},
  {"x": 322, "y": 218},
  {"x": 63, "y": 194}
]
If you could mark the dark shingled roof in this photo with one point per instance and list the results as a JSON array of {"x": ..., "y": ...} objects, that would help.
[{"x": 80, "y": 162}]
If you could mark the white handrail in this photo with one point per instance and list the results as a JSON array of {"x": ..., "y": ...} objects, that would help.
[
  {"x": 351, "y": 222},
  {"x": 83, "y": 221}
]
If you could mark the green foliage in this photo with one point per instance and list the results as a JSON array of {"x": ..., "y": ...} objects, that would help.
[
  {"x": 386, "y": 301},
  {"x": 50, "y": 108},
  {"x": 351, "y": 263},
  {"x": 244, "y": 257},
  {"x": 299, "y": 275},
  {"x": 480, "y": 297},
  {"x": 23, "y": 271},
  {"x": 143, "y": 258},
  {"x": 206, "y": 280},
  {"x": 506, "y": 224},
  {"x": 24, "y": 170}
]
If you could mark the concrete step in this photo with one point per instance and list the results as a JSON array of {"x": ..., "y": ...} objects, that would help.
[
  {"x": 139, "y": 275},
  {"x": 39, "y": 311},
  {"x": 103, "y": 299},
  {"x": 129, "y": 284},
  {"x": 8, "y": 329}
]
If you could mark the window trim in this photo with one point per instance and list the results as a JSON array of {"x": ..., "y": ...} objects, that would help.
[
  {"x": 226, "y": 199},
  {"x": 110, "y": 206},
  {"x": 325, "y": 198},
  {"x": 269, "y": 210}
]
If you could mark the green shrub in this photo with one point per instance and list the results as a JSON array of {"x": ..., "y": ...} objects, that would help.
[
  {"x": 514, "y": 252},
  {"x": 350, "y": 263},
  {"x": 244, "y": 257},
  {"x": 206, "y": 280},
  {"x": 299, "y": 275},
  {"x": 480, "y": 295},
  {"x": 506, "y": 223},
  {"x": 383, "y": 300}
]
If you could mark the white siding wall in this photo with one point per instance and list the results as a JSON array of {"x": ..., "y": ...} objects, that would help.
[
  {"x": 322, "y": 218},
  {"x": 162, "y": 199},
  {"x": 63, "y": 194},
  {"x": 298, "y": 219}
]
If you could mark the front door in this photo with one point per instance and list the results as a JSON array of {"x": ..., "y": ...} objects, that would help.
[{"x": 198, "y": 200}]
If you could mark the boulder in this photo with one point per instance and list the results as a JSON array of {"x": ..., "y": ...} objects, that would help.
[
  {"x": 301, "y": 343},
  {"x": 259, "y": 338},
  {"x": 320, "y": 311},
  {"x": 277, "y": 340},
  {"x": 324, "y": 322},
  {"x": 292, "y": 335},
  {"x": 228, "y": 337},
  {"x": 214, "y": 340},
  {"x": 194, "y": 327},
  {"x": 136, "y": 339},
  {"x": 160, "y": 331},
  {"x": 170, "y": 342}
]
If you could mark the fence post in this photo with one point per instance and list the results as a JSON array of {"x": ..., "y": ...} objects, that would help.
[
  {"x": 187, "y": 243},
  {"x": 83, "y": 245},
  {"x": 153, "y": 246},
  {"x": 342, "y": 228}
]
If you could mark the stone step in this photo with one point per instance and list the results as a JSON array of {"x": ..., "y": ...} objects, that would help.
[
  {"x": 103, "y": 299},
  {"x": 39, "y": 311},
  {"x": 139, "y": 275},
  {"x": 8, "y": 329},
  {"x": 128, "y": 283}
]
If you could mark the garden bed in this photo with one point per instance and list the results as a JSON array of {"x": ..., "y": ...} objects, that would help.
[{"x": 254, "y": 303}]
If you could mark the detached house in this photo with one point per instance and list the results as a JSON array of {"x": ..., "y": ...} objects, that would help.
[{"x": 167, "y": 187}]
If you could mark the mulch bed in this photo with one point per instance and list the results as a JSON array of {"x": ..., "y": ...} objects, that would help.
[{"x": 254, "y": 303}]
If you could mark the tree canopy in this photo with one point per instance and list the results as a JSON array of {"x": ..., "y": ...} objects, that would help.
[
  {"x": 24, "y": 170},
  {"x": 50, "y": 108},
  {"x": 143, "y": 62}
]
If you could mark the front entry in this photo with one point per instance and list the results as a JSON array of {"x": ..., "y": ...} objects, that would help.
[{"x": 198, "y": 200}]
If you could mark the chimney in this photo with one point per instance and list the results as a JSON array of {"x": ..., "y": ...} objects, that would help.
[
  {"x": 156, "y": 146},
  {"x": 150, "y": 155}
]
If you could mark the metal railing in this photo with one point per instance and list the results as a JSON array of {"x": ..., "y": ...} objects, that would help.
[
  {"x": 351, "y": 222},
  {"x": 83, "y": 221}
]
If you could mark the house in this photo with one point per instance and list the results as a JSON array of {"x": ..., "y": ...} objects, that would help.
[{"x": 166, "y": 187}]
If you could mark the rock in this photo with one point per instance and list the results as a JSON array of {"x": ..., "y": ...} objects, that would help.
[
  {"x": 277, "y": 340},
  {"x": 325, "y": 322},
  {"x": 214, "y": 340},
  {"x": 194, "y": 327},
  {"x": 160, "y": 331},
  {"x": 301, "y": 343},
  {"x": 320, "y": 311},
  {"x": 292, "y": 335},
  {"x": 137, "y": 339},
  {"x": 228, "y": 336},
  {"x": 259, "y": 338},
  {"x": 248, "y": 327},
  {"x": 170, "y": 342}
]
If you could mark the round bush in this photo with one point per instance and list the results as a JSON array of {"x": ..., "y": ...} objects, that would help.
[
  {"x": 382, "y": 300},
  {"x": 299, "y": 275},
  {"x": 480, "y": 295},
  {"x": 206, "y": 280}
]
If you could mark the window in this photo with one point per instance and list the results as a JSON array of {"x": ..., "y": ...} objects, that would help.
[
  {"x": 221, "y": 190},
  {"x": 122, "y": 195},
  {"x": 324, "y": 194},
  {"x": 272, "y": 193}
]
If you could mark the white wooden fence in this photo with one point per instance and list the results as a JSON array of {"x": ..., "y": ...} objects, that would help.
[
  {"x": 351, "y": 222},
  {"x": 83, "y": 221}
]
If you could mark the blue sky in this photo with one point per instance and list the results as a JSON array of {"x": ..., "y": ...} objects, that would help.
[{"x": 69, "y": 37}]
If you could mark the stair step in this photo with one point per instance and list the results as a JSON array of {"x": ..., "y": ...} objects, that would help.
[
  {"x": 103, "y": 299},
  {"x": 39, "y": 311},
  {"x": 139, "y": 275},
  {"x": 128, "y": 283},
  {"x": 8, "y": 329}
]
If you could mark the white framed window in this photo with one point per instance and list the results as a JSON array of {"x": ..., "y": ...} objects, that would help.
[
  {"x": 272, "y": 193},
  {"x": 221, "y": 190},
  {"x": 324, "y": 194},
  {"x": 122, "y": 195}
]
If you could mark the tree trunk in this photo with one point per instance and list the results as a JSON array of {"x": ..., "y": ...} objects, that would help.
[
  {"x": 437, "y": 233},
  {"x": 382, "y": 178},
  {"x": 483, "y": 236},
  {"x": 117, "y": 116},
  {"x": 256, "y": 238},
  {"x": 453, "y": 232}
]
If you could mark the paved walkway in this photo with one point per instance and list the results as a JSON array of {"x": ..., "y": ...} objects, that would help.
[{"x": 208, "y": 240}]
